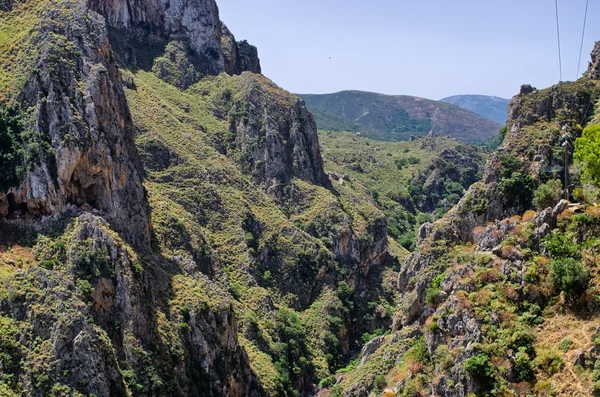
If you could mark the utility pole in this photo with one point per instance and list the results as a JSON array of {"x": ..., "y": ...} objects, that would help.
[{"x": 568, "y": 145}]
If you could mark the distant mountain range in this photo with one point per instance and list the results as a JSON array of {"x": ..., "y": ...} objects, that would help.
[
  {"x": 396, "y": 118},
  {"x": 491, "y": 107}
]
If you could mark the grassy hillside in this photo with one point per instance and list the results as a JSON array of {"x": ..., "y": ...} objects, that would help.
[
  {"x": 491, "y": 107},
  {"x": 396, "y": 118},
  {"x": 412, "y": 182}
]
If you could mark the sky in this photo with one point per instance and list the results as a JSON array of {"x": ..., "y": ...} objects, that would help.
[{"x": 426, "y": 48}]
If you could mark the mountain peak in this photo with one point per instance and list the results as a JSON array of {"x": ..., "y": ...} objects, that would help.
[
  {"x": 491, "y": 107},
  {"x": 212, "y": 47}
]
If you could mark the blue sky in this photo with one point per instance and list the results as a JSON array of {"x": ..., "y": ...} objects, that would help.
[{"x": 427, "y": 48}]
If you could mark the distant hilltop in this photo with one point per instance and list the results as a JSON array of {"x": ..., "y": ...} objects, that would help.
[
  {"x": 397, "y": 118},
  {"x": 491, "y": 107}
]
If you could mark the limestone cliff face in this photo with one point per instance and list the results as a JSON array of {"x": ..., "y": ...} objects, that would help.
[
  {"x": 79, "y": 140},
  {"x": 239, "y": 56},
  {"x": 275, "y": 135},
  {"x": 194, "y": 21},
  {"x": 593, "y": 71},
  {"x": 100, "y": 339}
]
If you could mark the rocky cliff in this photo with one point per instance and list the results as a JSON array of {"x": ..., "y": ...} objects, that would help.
[
  {"x": 75, "y": 146},
  {"x": 212, "y": 47},
  {"x": 167, "y": 226},
  {"x": 275, "y": 135},
  {"x": 485, "y": 308},
  {"x": 593, "y": 71}
]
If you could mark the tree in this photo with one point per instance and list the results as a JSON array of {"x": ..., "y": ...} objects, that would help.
[
  {"x": 587, "y": 153},
  {"x": 548, "y": 194},
  {"x": 570, "y": 276},
  {"x": 10, "y": 155}
]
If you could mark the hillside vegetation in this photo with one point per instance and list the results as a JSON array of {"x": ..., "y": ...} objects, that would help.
[
  {"x": 500, "y": 295},
  {"x": 413, "y": 182},
  {"x": 396, "y": 118},
  {"x": 172, "y": 223}
]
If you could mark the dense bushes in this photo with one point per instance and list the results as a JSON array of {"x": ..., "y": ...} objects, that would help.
[
  {"x": 433, "y": 293},
  {"x": 568, "y": 272},
  {"x": 404, "y": 161},
  {"x": 570, "y": 276},
  {"x": 11, "y": 152},
  {"x": 548, "y": 194},
  {"x": 479, "y": 366},
  {"x": 587, "y": 152},
  {"x": 293, "y": 360},
  {"x": 516, "y": 186}
]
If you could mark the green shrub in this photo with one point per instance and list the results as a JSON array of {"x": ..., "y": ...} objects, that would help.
[
  {"x": 561, "y": 245},
  {"x": 587, "y": 153},
  {"x": 49, "y": 264},
  {"x": 479, "y": 205},
  {"x": 516, "y": 189},
  {"x": 11, "y": 148},
  {"x": 408, "y": 240},
  {"x": 570, "y": 276},
  {"x": 367, "y": 337},
  {"x": 548, "y": 194},
  {"x": 185, "y": 313},
  {"x": 523, "y": 365},
  {"x": 401, "y": 163},
  {"x": 346, "y": 293},
  {"x": 85, "y": 287},
  {"x": 433, "y": 296},
  {"x": 250, "y": 241},
  {"x": 379, "y": 383},
  {"x": 503, "y": 132},
  {"x": 327, "y": 382},
  {"x": 418, "y": 351},
  {"x": 236, "y": 290},
  {"x": 565, "y": 344},
  {"x": 479, "y": 366}
]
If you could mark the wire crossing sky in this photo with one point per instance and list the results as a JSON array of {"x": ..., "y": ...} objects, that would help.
[{"x": 427, "y": 48}]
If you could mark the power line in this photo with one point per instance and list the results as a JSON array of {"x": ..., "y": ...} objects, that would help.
[
  {"x": 558, "y": 36},
  {"x": 582, "y": 36}
]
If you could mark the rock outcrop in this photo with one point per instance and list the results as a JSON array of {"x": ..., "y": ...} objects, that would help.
[
  {"x": 78, "y": 144},
  {"x": 195, "y": 23},
  {"x": 240, "y": 56},
  {"x": 5, "y": 5},
  {"x": 275, "y": 135},
  {"x": 447, "y": 294},
  {"x": 593, "y": 71},
  {"x": 101, "y": 318}
]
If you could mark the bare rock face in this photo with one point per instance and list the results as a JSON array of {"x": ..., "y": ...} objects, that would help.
[
  {"x": 80, "y": 148},
  {"x": 593, "y": 71},
  {"x": 94, "y": 339},
  {"x": 5, "y": 5},
  {"x": 240, "y": 56},
  {"x": 275, "y": 135},
  {"x": 195, "y": 22}
]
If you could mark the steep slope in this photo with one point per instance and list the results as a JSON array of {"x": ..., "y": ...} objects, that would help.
[
  {"x": 498, "y": 299},
  {"x": 491, "y": 107},
  {"x": 396, "y": 118},
  {"x": 168, "y": 228}
]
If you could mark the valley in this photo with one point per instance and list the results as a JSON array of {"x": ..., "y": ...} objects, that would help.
[{"x": 174, "y": 223}]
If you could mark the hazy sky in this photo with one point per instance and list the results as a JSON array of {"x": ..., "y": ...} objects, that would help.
[{"x": 428, "y": 48}]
